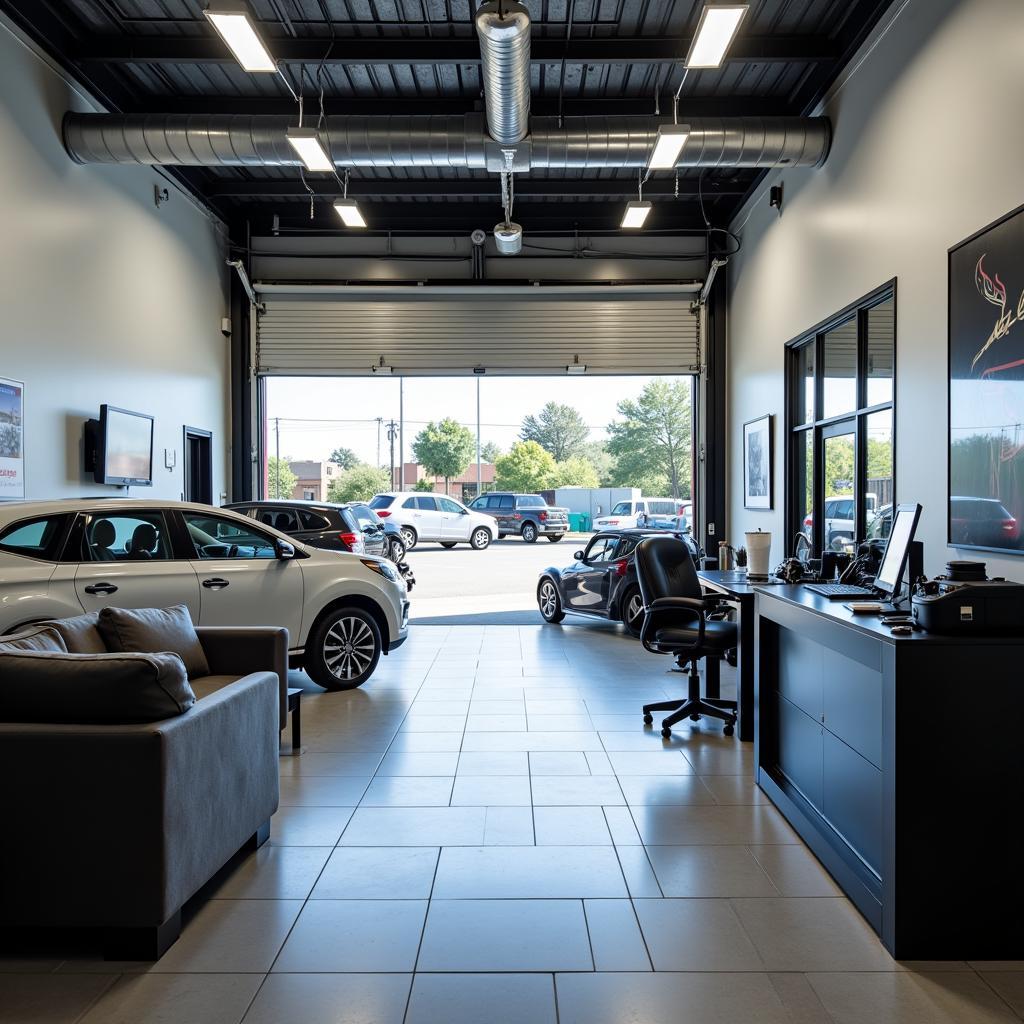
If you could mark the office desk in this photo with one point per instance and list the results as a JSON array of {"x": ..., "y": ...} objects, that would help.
[
  {"x": 899, "y": 761},
  {"x": 733, "y": 586}
]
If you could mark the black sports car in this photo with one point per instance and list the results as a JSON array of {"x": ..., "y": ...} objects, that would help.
[{"x": 602, "y": 580}]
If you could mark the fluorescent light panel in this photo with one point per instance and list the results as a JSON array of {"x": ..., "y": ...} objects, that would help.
[
  {"x": 635, "y": 214},
  {"x": 715, "y": 32},
  {"x": 576, "y": 368},
  {"x": 668, "y": 146},
  {"x": 307, "y": 144},
  {"x": 232, "y": 22},
  {"x": 350, "y": 213}
]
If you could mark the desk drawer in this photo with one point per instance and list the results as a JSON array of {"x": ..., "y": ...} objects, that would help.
[
  {"x": 852, "y": 704},
  {"x": 853, "y": 800},
  {"x": 800, "y": 672},
  {"x": 800, "y": 750}
]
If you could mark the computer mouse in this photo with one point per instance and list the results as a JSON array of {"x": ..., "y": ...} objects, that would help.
[{"x": 903, "y": 630}]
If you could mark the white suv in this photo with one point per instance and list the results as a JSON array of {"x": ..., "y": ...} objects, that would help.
[
  {"x": 433, "y": 517},
  {"x": 63, "y": 558},
  {"x": 625, "y": 514}
]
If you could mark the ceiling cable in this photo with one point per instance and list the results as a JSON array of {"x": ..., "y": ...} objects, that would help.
[{"x": 565, "y": 57}]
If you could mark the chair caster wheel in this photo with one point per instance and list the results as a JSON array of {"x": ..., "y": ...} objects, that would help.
[
  {"x": 728, "y": 730},
  {"x": 648, "y": 719},
  {"x": 694, "y": 718},
  {"x": 666, "y": 731}
]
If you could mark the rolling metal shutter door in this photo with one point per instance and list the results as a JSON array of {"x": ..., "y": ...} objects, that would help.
[{"x": 448, "y": 331}]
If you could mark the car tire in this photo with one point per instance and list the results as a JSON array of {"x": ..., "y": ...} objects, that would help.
[
  {"x": 548, "y": 602},
  {"x": 397, "y": 550},
  {"x": 343, "y": 649},
  {"x": 409, "y": 537},
  {"x": 448, "y": 543},
  {"x": 502, "y": 536},
  {"x": 632, "y": 608},
  {"x": 480, "y": 539},
  {"x": 529, "y": 533},
  {"x": 555, "y": 537}
]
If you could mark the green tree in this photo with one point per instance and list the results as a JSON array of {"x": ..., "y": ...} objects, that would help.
[
  {"x": 596, "y": 453},
  {"x": 575, "y": 471},
  {"x": 444, "y": 449},
  {"x": 360, "y": 483},
  {"x": 281, "y": 480},
  {"x": 489, "y": 451},
  {"x": 558, "y": 429},
  {"x": 654, "y": 436},
  {"x": 527, "y": 467},
  {"x": 344, "y": 457},
  {"x": 426, "y": 484}
]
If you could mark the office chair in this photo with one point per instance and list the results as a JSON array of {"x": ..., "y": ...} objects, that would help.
[{"x": 676, "y": 622}]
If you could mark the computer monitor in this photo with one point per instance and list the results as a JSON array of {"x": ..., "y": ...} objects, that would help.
[{"x": 894, "y": 561}]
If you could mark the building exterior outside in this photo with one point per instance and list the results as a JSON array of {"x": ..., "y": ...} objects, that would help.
[
  {"x": 462, "y": 487},
  {"x": 313, "y": 479}
]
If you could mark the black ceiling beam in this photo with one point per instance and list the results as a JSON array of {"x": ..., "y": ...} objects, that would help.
[
  {"x": 447, "y": 188},
  {"x": 361, "y": 52},
  {"x": 540, "y": 106}
]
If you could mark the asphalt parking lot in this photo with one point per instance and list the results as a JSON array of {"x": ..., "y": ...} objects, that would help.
[{"x": 494, "y": 586}]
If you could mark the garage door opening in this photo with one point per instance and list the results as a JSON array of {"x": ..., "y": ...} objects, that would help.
[{"x": 607, "y": 452}]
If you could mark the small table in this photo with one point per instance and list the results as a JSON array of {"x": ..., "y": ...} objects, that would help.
[{"x": 734, "y": 586}]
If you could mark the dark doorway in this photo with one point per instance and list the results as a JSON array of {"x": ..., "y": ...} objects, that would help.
[{"x": 198, "y": 466}]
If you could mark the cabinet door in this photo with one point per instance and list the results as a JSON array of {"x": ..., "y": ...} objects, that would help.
[
  {"x": 852, "y": 704},
  {"x": 853, "y": 799},
  {"x": 800, "y": 757},
  {"x": 800, "y": 671}
]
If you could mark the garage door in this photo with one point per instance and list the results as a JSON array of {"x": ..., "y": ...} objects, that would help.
[{"x": 323, "y": 329}]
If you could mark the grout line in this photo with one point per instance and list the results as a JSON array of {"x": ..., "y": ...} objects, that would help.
[{"x": 590, "y": 941}]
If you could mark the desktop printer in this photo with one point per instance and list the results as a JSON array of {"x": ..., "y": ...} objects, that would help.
[{"x": 965, "y": 601}]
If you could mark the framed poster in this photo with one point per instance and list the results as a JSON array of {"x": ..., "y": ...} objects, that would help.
[
  {"x": 12, "y": 439},
  {"x": 757, "y": 463},
  {"x": 986, "y": 388}
]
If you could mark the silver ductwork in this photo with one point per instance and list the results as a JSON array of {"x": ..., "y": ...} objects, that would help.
[
  {"x": 504, "y": 31},
  {"x": 223, "y": 140}
]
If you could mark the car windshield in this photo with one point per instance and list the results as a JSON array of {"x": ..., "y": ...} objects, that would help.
[
  {"x": 381, "y": 501},
  {"x": 622, "y": 509}
]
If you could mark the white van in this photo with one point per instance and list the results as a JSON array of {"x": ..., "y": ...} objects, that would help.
[{"x": 624, "y": 515}]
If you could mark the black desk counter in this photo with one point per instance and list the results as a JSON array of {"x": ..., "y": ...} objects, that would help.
[{"x": 900, "y": 761}]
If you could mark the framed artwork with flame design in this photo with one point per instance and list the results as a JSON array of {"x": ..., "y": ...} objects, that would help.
[{"x": 986, "y": 388}]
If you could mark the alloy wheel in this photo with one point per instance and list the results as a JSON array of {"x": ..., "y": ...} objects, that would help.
[
  {"x": 349, "y": 648},
  {"x": 481, "y": 538},
  {"x": 408, "y": 538},
  {"x": 635, "y": 613},
  {"x": 548, "y": 599}
]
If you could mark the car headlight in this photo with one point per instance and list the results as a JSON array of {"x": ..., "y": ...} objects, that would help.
[{"x": 384, "y": 569}]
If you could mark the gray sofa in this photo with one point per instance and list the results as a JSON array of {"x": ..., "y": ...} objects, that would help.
[{"x": 115, "y": 827}]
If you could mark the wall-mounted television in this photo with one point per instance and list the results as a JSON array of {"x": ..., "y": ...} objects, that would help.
[{"x": 119, "y": 447}]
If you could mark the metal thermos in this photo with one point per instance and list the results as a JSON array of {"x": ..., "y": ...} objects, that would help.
[{"x": 726, "y": 555}]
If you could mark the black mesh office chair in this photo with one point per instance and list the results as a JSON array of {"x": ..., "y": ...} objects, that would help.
[{"x": 676, "y": 622}]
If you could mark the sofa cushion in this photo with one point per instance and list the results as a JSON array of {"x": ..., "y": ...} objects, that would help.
[
  {"x": 34, "y": 638},
  {"x": 39, "y": 686},
  {"x": 151, "y": 630},
  {"x": 80, "y": 634},
  {"x": 211, "y": 684}
]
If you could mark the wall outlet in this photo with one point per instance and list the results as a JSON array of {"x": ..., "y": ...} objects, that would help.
[
  {"x": 711, "y": 529},
  {"x": 170, "y": 457}
]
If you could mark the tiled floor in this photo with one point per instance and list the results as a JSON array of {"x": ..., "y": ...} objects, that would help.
[{"x": 486, "y": 834}]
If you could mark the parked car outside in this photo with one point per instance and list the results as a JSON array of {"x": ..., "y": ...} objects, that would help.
[
  {"x": 528, "y": 515},
  {"x": 601, "y": 581},
  {"x": 369, "y": 521},
  {"x": 983, "y": 523},
  {"x": 841, "y": 520},
  {"x": 629, "y": 515},
  {"x": 62, "y": 558},
  {"x": 433, "y": 517}
]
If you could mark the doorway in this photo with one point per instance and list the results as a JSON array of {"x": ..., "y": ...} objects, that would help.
[{"x": 198, "y": 466}]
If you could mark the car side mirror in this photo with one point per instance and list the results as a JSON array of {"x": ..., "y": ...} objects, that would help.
[
  {"x": 578, "y": 555},
  {"x": 284, "y": 551}
]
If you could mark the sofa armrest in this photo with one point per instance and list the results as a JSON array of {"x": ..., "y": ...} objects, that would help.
[
  {"x": 239, "y": 650},
  {"x": 117, "y": 825}
]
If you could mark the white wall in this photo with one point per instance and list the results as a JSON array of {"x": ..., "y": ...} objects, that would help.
[
  {"x": 928, "y": 149},
  {"x": 103, "y": 297}
]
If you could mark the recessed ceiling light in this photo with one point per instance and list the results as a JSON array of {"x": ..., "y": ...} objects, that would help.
[
  {"x": 715, "y": 32},
  {"x": 635, "y": 213},
  {"x": 234, "y": 25},
  {"x": 306, "y": 142},
  {"x": 349, "y": 212},
  {"x": 668, "y": 146}
]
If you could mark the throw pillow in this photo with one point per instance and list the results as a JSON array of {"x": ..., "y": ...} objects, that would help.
[
  {"x": 80, "y": 634},
  {"x": 92, "y": 689},
  {"x": 151, "y": 630},
  {"x": 34, "y": 638}
]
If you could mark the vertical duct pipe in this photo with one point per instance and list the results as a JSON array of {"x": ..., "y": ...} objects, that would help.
[{"x": 504, "y": 30}]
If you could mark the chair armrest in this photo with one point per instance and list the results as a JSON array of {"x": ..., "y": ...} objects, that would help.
[
  {"x": 665, "y": 604},
  {"x": 240, "y": 650},
  {"x": 693, "y": 603}
]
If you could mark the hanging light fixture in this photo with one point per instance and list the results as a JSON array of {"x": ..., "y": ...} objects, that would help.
[
  {"x": 234, "y": 25},
  {"x": 668, "y": 146},
  {"x": 716, "y": 30},
  {"x": 636, "y": 211},
  {"x": 348, "y": 209},
  {"x": 306, "y": 143}
]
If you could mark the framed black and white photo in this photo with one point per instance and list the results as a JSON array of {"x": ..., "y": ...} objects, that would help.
[
  {"x": 757, "y": 463},
  {"x": 986, "y": 388},
  {"x": 12, "y": 439}
]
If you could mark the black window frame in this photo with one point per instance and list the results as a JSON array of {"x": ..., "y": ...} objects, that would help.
[
  {"x": 51, "y": 551},
  {"x": 797, "y": 428}
]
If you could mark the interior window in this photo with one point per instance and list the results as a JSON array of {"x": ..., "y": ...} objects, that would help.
[
  {"x": 215, "y": 537},
  {"x": 447, "y": 505},
  {"x": 33, "y": 538},
  {"x": 427, "y": 504},
  {"x": 125, "y": 537}
]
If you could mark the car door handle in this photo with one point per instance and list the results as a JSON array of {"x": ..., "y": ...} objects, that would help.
[
  {"x": 216, "y": 583},
  {"x": 101, "y": 588}
]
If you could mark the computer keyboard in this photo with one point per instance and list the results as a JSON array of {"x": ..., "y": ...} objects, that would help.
[{"x": 836, "y": 590}]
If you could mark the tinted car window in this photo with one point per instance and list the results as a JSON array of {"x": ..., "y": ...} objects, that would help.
[
  {"x": 382, "y": 501},
  {"x": 662, "y": 508},
  {"x": 125, "y": 537},
  {"x": 411, "y": 503},
  {"x": 264, "y": 515},
  {"x": 479, "y": 503},
  {"x": 627, "y": 546},
  {"x": 493, "y": 501},
  {"x": 623, "y": 508},
  {"x": 32, "y": 538},
  {"x": 601, "y": 549},
  {"x": 312, "y": 520},
  {"x": 363, "y": 514},
  {"x": 507, "y": 502},
  {"x": 427, "y": 504},
  {"x": 532, "y": 501},
  {"x": 215, "y": 537},
  {"x": 349, "y": 520},
  {"x": 285, "y": 520}
]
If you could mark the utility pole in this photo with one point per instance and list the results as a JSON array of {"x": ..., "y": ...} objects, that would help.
[
  {"x": 380, "y": 420},
  {"x": 277, "y": 449},
  {"x": 401, "y": 433},
  {"x": 479, "y": 471},
  {"x": 392, "y": 434}
]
